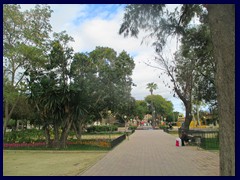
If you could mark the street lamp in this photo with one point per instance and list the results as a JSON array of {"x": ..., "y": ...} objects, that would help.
[
  {"x": 153, "y": 118},
  {"x": 110, "y": 130},
  {"x": 125, "y": 120}
]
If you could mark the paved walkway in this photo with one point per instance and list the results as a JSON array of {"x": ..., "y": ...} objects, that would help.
[{"x": 153, "y": 153}]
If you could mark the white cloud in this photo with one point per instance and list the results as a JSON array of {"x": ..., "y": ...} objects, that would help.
[{"x": 99, "y": 31}]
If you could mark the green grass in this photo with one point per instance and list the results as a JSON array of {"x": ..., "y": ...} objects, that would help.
[
  {"x": 210, "y": 143},
  {"x": 48, "y": 163}
]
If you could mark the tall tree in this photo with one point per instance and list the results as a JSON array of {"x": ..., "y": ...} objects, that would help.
[
  {"x": 51, "y": 93},
  {"x": 222, "y": 24},
  {"x": 104, "y": 77},
  {"x": 152, "y": 86},
  {"x": 24, "y": 37}
]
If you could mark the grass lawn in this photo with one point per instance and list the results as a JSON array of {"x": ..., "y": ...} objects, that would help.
[{"x": 48, "y": 163}]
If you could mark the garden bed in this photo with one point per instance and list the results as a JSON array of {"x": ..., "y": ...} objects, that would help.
[{"x": 74, "y": 144}]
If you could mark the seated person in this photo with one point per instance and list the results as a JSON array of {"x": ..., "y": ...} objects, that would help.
[{"x": 184, "y": 137}]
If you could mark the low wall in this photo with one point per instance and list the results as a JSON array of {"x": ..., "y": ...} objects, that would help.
[{"x": 118, "y": 140}]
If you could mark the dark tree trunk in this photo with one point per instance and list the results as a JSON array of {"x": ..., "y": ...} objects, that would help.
[
  {"x": 47, "y": 137},
  {"x": 188, "y": 115},
  {"x": 6, "y": 119},
  {"x": 64, "y": 134},
  {"x": 222, "y": 26},
  {"x": 77, "y": 126},
  {"x": 8, "y": 113},
  {"x": 56, "y": 142}
]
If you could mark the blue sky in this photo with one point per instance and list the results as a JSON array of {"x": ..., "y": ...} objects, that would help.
[
  {"x": 104, "y": 11},
  {"x": 94, "y": 25}
]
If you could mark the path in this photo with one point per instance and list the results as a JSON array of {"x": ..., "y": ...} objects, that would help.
[{"x": 153, "y": 153}]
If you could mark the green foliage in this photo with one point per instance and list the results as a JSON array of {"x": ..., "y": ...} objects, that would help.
[
  {"x": 140, "y": 109},
  {"x": 163, "y": 126},
  {"x": 102, "y": 128},
  {"x": 63, "y": 88},
  {"x": 197, "y": 45},
  {"x": 132, "y": 128},
  {"x": 210, "y": 143},
  {"x": 25, "y": 36},
  {"x": 157, "y": 21},
  {"x": 27, "y": 136},
  {"x": 161, "y": 105}
]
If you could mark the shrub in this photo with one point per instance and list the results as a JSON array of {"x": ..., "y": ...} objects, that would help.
[
  {"x": 133, "y": 128},
  {"x": 102, "y": 128},
  {"x": 163, "y": 127},
  {"x": 26, "y": 135}
]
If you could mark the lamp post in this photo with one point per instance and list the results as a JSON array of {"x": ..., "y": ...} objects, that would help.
[
  {"x": 125, "y": 119},
  {"x": 153, "y": 118},
  {"x": 109, "y": 114}
]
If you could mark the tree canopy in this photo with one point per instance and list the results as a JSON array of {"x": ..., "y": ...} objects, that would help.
[{"x": 161, "y": 105}]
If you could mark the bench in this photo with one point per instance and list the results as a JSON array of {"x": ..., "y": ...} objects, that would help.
[{"x": 194, "y": 140}]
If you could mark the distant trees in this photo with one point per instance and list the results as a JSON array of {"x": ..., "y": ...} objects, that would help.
[
  {"x": 162, "y": 107},
  {"x": 141, "y": 109}
]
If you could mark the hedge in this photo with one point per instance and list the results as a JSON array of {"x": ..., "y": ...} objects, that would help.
[{"x": 102, "y": 128}]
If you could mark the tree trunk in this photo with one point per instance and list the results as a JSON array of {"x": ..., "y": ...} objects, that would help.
[
  {"x": 188, "y": 116},
  {"x": 56, "y": 142},
  {"x": 64, "y": 135},
  {"x": 6, "y": 119},
  {"x": 78, "y": 130},
  {"x": 198, "y": 117},
  {"x": 47, "y": 137},
  {"x": 222, "y": 26},
  {"x": 8, "y": 113},
  {"x": 153, "y": 114}
]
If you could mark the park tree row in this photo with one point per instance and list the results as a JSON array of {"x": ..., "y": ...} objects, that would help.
[{"x": 63, "y": 89}]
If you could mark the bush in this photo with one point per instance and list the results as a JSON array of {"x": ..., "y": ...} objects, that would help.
[
  {"x": 133, "y": 128},
  {"x": 26, "y": 135},
  {"x": 163, "y": 127},
  {"x": 103, "y": 128}
]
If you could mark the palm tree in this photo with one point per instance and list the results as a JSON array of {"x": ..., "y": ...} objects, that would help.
[{"x": 152, "y": 86}]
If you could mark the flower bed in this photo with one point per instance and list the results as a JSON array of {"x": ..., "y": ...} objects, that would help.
[
  {"x": 15, "y": 145},
  {"x": 95, "y": 142},
  {"x": 105, "y": 143}
]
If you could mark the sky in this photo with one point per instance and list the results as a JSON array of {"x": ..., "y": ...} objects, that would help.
[{"x": 94, "y": 25}]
